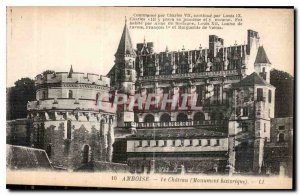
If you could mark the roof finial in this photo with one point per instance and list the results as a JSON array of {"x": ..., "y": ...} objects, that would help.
[
  {"x": 125, "y": 20},
  {"x": 183, "y": 48},
  {"x": 144, "y": 40},
  {"x": 167, "y": 49},
  {"x": 200, "y": 47}
]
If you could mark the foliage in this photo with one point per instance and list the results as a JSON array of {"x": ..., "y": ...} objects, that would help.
[
  {"x": 284, "y": 95},
  {"x": 17, "y": 98}
]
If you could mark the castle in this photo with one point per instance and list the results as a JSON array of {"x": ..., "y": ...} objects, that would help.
[{"x": 225, "y": 129}]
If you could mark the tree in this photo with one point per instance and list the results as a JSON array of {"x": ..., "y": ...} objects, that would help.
[
  {"x": 17, "y": 98},
  {"x": 48, "y": 72},
  {"x": 284, "y": 95}
]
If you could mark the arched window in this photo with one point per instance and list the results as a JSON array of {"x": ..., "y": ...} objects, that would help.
[
  {"x": 199, "y": 116},
  {"x": 69, "y": 129},
  {"x": 182, "y": 117},
  {"x": 281, "y": 137},
  {"x": 70, "y": 94},
  {"x": 49, "y": 150},
  {"x": 165, "y": 118},
  {"x": 86, "y": 153},
  {"x": 149, "y": 118}
]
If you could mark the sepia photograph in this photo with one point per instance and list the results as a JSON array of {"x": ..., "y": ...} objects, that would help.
[{"x": 150, "y": 97}]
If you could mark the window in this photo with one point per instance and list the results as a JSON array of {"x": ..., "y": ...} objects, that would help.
[
  {"x": 148, "y": 143},
  {"x": 69, "y": 129},
  {"x": 199, "y": 142},
  {"x": 173, "y": 142},
  {"x": 136, "y": 118},
  {"x": 260, "y": 96},
  {"x": 128, "y": 72},
  {"x": 265, "y": 127},
  {"x": 165, "y": 118},
  {"x": 217, "y": 142},
  {"x": 244, "y": 127},
  {"x": 281, "y": 137},
  {"x": 140, "y": 143},
  {"x": 149, "y": 118},
  {"x": 183, "y": 90},
  {"x": 270, "y": 96},
  {"x": 85, "y": 155},
  {"x": 182, "y": 117},
  {"x": 97, "y": 98},
  {"x": 200, "y": 90},
  {"x": 199, "y": 117},
  {"x": 165, "y": 143},
  {"x": 281, "y": 127},
  {"x": 70, "y": 94},
  {"x": 182, "y": 142},
  {"x": 245, "y": 111},
  {"x": 156, "y": 143},
  {"x": 216, "y": 94},
  {"x": 44, "y": 95},
  {"x": 208, "y": 142},
  {"x": 191, "y": 142},
  {"x": 102, "y": 127}
]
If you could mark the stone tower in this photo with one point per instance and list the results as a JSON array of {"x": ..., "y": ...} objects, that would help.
[
  {"x": 69, "y": 119},
  {"x": 262, "y": 64},
  {"x": 252, "y": 111},
  {"x": 125, "y": 78}
]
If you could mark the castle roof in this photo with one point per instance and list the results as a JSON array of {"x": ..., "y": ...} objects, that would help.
[
  {"x": 261, "y": 56},
  {"x": 21, "y": 157},
  {"x": 251, "y": 80},
  {"x": 125, "y": 45}
]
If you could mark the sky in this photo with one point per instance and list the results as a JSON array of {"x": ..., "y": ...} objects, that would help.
[{"x": 54, "y": 38}]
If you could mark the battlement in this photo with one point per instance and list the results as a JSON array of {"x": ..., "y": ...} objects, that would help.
[{"x": 73, "y": 77}]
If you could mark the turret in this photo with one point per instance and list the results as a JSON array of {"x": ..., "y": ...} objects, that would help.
[
  {"x": 262, "y": 64},
  {"x": 125, "y": 76}
]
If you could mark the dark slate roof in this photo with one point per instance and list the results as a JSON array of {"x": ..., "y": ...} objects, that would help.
[
  {"x": 125, "y": 45},
  {"x": 261, "y": 56},
  {"x": 177, "y": 133},
  {"x": 20, "y": 157},
  {"x": 70, "y": 72},
  {"x": 111, "y": 72},
  {"x": 251, "y": 80},
  {"x": 98, "y": 166}
]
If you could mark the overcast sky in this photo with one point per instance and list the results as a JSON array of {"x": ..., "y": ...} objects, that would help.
[{"x": 42, "y": 38}]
